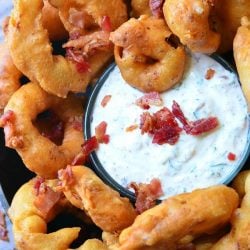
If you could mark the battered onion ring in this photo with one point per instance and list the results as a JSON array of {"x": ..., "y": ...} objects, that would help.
[
  {"x": 140, "y": 7},
  {"x": 38, "y": 153},
  {"x": 30, "y": 224},
  {"x": 189, "y": 214},
  {"x": 84, "y": 16},
  {"x": 32, "y": 53},
  {"x": 93, "y": 244},
  {"x": 238, "y": 238},
  {"x": 104, "y": 206},
  {"x": 9, "y": 76},
  {"x": 189, "y": 20},
  {"x": 241, "y": 48},
  {"x": 145, "y": 59}
]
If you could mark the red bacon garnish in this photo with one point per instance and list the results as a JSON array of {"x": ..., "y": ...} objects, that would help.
[
  {"x": 166, "y": 134},
  {"x": 3, "y": 229},
  {"x": 88, "y": 147},
  {"x": 147, "y": 123},
  {"x": 100, "y": 133},
  {"x": 105, "y": 100},
  {"x": 66, "y": 177},
  {"x": 152, "y": 98},
  {"x": 194, "y": 127},
  {"x": 231, "y": 156},
  {"x": 7, "y": 117},
  {"x": 45, "y": 201},
  {"x": 210, "y": 74},
  {"x": 156, "y": 7},
  {"x": 39, "y": 185},
  {"x": 146, "y": 194},
  {"x": 76, "y": 122},
  {"x": 131, "y": 128},
  {"x": 106, "y": 24}
]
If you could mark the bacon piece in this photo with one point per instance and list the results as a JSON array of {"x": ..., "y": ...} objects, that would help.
[
  {"x": 147, "y": 123},
  {"x": 7, "y": 117},
  {"x": 210, "y": 74},
  {"x": 131, "y": 128},
  {"x": 156, "y": 7},
  {"x": 65, "y": 177},
  {"x": 176, "y": 110},
  {"x": 152, "y": 98},
  {"x": 166, "y": 134},
  {"x": 88, "y": 147},
  {"x": 45, "y": 201},
  {"x": 3, "y": 229},
  {"x": 146, "y": 194},
  {"x": 39, "y": 185},
  {"x": 76, "y": 122},
  {"x": 100, "y": 133},
  {"x": 164, "y": 117},
  {"x": 106, "y": 24},
  {"x": 105, "y": 100},
  {"x": 231, "y": 156}
]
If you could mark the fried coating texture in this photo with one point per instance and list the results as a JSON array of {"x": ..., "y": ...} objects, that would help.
[
  {"x": 239, "y": 183},
  {"x": 9, "y": 76},
  {"x": 140, "y": 7},
  {"x": 202, "y": 211},
  {"x": 239, "y": 236},
  {"x": 145, "y": 55},
  {"x": 241, "y": 48},
  {"x": 39, "y": 153},
  {"x": 30, "y": 225},
  {"x": 32, "y": 53},
  {"x": 189, "y": 20},
  {"x": 93, "y": 244},
  {"x": 52, "y": 22},
  {"x": 104, "y": 206}
]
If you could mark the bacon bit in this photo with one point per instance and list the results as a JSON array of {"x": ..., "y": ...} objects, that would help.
[
  {"x": 106, "y": 24},
  {"x": 147, "y": 123},
  {"x": 3, "y": 229},
  {"x": 166, "y": 134},
  {"x": 76, "y": 122},
  {"x": 152, "y": 98},
  {"x": 105, "y": 100},
  {"x": 146, "y": 194},
  {"x": 45, "y": 201},
  {"x": 100, "y": 133},
  {"x": 7, "y": 117},
  {"x": 88, "y": 147},
  {"x": 156, "y": 7},
  {"x": 66, "y": 177},
  {"x": 131, "y": 128},
  {"x": 194, "y": 127},
  {"x": 39, "y": 186},
  {"x": 210, "y": 74},
  {"x": 231, "y": 156},
  {"x": 164, "y": 117}
]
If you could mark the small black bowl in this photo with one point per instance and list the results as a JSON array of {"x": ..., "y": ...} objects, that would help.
[{"x": 95, "y": 162}]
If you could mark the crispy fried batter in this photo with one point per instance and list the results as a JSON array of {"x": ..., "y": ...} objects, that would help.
[
  {"x": 140, "y": 7},
  {"x": 241, "y": 47},
  {"x": 189, "y": 214},
  {"x": 189, "y": 20},
  {"x": 38, "y": 153},
  {"x": 239, "y": 183},
  {"x": 93, "y": 244},
  {"x": 146, "y": 55},
  {"x": 105, "y": 206}
]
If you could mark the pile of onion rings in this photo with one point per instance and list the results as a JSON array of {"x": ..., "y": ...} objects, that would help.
[{"x": 61, "y": 47}]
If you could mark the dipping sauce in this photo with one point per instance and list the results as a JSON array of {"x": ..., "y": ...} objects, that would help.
[{"x": 207, "y": 90}]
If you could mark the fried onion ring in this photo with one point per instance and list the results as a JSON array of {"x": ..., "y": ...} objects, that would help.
[
  {"x": 140, "y": 7},
  {"x": 147, "y": 55},
  {"x": 38, "y": 153},
  {"x": 188, "y": 214},
  {"x": 9, "y": 76},
  {"x": 104, "y": 206},
  {"x": 189, "y": 20},
  {"x": 30, "y": 224},
  {"x": 241, "y": 46},
  {"x": 32, "y": 53}
]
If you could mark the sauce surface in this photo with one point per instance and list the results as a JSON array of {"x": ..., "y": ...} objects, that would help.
[{"x": 194, "y": 161}]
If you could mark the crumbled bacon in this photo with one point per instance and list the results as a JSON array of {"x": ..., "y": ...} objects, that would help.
[
  {"x": 106, "y": 24},
  {"x": 100, "y": 133},
  {"x": 39, "y": 185},
  {"x": 105, "y": 100},
  {"x": 156, "y": 7},
  {"x": 152, "y": 98},
  {"x": 7, "y": 117},
  {"x": 131, "y": 128},
  {"x": 66, "y": 177},
  {"x": 3, "y": 229},
  {"x": 210, "y": 74},
  {"x": 231, "y": 156},
  {"x": 76, "y": 122},
  {"x": 45, "y": 201},
  {"x": 176, "y": 110},
  {"x": 146, "y": 194},
  {"x": 147, "y": 123},
  {"x": 88, "y": 147},
  {"x": 166, "y": 134}
]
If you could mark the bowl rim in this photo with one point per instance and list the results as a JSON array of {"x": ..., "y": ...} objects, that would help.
[{"x": 99, "y": 168}]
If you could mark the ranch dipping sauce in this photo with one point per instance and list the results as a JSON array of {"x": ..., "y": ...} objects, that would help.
[{"x": 194, "y": 161}]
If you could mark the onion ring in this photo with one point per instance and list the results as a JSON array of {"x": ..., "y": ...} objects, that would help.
[
  {"x": 201, "y": 211},
  {"x": 60, "y": 75},
  {"x": 189, "y": 20},
  {"x": 146, "y": 56},
  {"x": 38, "y": 153},
  {"x": 9, "y": 77},
  {"x": 104, "y": 206}
]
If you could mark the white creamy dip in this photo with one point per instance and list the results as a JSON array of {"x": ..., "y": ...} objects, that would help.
[{"x": 194, "y": 161}]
